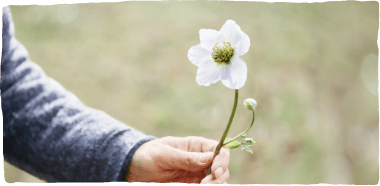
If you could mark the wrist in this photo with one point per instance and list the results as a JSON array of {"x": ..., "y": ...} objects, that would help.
[{"x": 136, "y": 165}]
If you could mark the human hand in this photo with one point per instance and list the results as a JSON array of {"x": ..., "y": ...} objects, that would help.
[{"x": 174, "y": 159}]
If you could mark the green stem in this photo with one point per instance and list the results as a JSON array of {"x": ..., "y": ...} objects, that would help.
[
  {"x": 219, "y": 146},
  {"x": 242, "y": 132}
]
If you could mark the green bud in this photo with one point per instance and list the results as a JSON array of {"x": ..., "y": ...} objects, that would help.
[
  {"x": 250, "y": 103},
  {"x": 248, "y": 141}
]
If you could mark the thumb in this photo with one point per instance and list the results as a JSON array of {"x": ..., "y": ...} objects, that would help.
[{"x": 189, "y": 161}]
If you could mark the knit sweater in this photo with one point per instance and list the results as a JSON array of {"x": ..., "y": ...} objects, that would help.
[{"x": 49, "y": 133}]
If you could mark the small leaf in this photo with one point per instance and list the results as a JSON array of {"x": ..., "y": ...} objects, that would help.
[
  {"x": 248, "y": 141},
  {"x": 227, "y": 139},
  {"x": 243, "y": 137},
  {"x": 232, "y": 145},
  {"x": 246, "y": 149}
]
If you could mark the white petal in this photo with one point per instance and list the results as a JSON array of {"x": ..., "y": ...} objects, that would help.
[
  {"x": 197, "y": 55},
  {"x": 208, "y": 38},
  {"x": 244, "y": 44},
  {"x": 220, "y": 37},
  {"x": 236, "y": 74},
  {"x": 208, "y": 73},
  {"x": 226, "y": 73},
  {"x": 231, "y": 32}
]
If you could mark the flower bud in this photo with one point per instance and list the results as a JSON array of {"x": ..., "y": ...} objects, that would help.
[
  {"x": 248, "y": 141},
  {"x": 250, "y": 103}
]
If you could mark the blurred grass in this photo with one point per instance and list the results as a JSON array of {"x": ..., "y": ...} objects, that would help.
[{"x": 317, "y": 121}]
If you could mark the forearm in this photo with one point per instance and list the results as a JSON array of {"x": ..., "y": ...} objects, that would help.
[{"x": 49, "y": 133}]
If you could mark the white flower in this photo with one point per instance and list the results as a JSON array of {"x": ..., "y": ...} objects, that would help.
[
  {"x": 218, "y": 56},
  {"x": 250, "y": 103}
]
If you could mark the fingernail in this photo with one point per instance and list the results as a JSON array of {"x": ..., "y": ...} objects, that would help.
[{"x": 219, "y": 172}]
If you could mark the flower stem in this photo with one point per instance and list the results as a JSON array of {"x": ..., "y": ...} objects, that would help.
[
  {"x": 242, "y": 132},
  {"x": 219, "y": 146}
]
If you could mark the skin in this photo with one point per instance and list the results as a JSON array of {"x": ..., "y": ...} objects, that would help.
[{"x": 174, "y": 159}]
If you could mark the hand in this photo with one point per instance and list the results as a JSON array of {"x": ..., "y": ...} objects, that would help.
[{"x": 174, "y": 159}]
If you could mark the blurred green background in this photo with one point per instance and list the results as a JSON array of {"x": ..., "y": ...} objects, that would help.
[{"x": 312, "y": 67}]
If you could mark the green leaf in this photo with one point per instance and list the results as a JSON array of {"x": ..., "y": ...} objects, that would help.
[
  {"x": 243, "y": 137},
  {"x": 232, "y": 145},
  {"x": 246, "y": 149},
  {"x": 248, "y": 142},
  {"x": 227, "y": 139}
]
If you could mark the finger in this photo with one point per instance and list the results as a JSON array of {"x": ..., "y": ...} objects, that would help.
[
  {"x": 222, "y": 180},
  {"x": 199, "y": 176},
  {"x": 176, "y": 159},
  {"x": 200, "y": 144},
  {"x": 188, "y": 177},
  {"x": 209, "y": 145},
  {"x": 207, "y": 179},
  {"x": 219, "y": 172},
  {"x": 190, "y": 143},
  {"x": 192, "y": 177},
  {"x": 175, "y": 142},
  {"x": 220, "y": 161}
]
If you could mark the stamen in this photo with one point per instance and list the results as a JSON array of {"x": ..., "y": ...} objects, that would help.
[{"x": 222, "y": 53}]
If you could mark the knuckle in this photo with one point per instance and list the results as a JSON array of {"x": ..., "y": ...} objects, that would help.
[
  {"x": 223, "y": 178},
  {"x": 217, "y": 162}
]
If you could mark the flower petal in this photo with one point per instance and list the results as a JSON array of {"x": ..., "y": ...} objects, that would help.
[
  {"x": 220, "y": 37},
  {"x": 197, "y": 55},
  {"x": 208, "y": 73},
  {"x": 231, "y": 32},
  {"x": 236, "y": 74},
  {"x": 244, "y": 44},
  {"x": 208, "y": 38}
]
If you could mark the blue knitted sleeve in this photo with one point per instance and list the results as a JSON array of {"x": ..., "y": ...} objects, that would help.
[{"x": 49, "y": 133}]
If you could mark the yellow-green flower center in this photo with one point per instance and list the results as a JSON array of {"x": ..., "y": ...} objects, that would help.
[{"x": 223, "y": 53}]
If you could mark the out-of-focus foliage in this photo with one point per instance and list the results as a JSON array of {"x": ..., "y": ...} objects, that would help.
[{"x": 312, "y": 68}]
